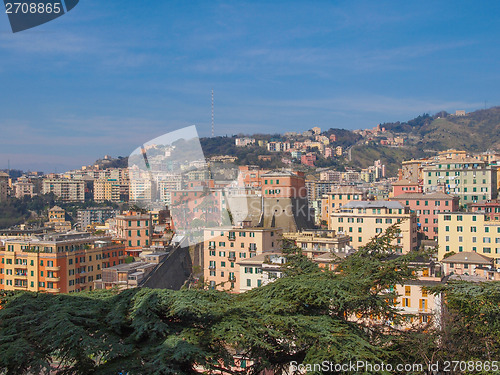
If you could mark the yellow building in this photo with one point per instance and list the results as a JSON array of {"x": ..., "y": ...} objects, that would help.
[
  {"x": 224, "y": 247},
  {"x": 468, "y": 231},
  {"x": 363, "y": 220},
  {"x": 337, "y": 197},
  {"x": 112, "y": 190},
  {"x": 57, "y": 220}
]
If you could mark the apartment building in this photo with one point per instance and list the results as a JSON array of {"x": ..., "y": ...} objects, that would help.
[
  {"x": 406, "y": 186},
  {"x": 57, "y": 220},
  {"x": 317, "y": 188},
  {"x": 467, "y": 263},
  {"x": 260, "y": 270},
  {"x": 417, "y": 305},
  {"x": 468, "y": 231},
  {"x": 427, "y": 207},
  {"x": 337, "y": 197},
  {"x": 490, "y": 208},
  {"x": 94, "y": 215},
  {"x": 134, "y": 230},
  {"x": 58, "y": 263},
  {"x": 224, "y": 247},
  {"x": 65, "y": 189},
  {"x": 314, "y": 243},
  {"x": 111, "y": 190},
  {"x": 470, "y": 179},
  {"x": 24, "y": 187},
  {"x": 363, "y": 220}
]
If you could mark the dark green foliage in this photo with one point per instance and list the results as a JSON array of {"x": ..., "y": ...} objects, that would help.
[
  {"x": 471, "y": 320},
  {"x": 345, "y": 138},
  {"x": 303, "y": 317},
  {"x": 306, "y": 316}
]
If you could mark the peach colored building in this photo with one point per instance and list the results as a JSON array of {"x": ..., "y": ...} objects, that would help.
[
  {"x": 284, "y": 184},
  {"x": 427, "y": 207},
  {"x": 405, "y": 186},
  {"x": 466, "y": 263},
  {"x": 59, "y": 263},
  {"x": 250, "y": 176},
  {"x": 224, "y": 247},
  {"x": 134, "y": 230}
]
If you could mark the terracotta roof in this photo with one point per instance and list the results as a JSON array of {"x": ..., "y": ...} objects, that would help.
[{"x": 469, "y": 257}]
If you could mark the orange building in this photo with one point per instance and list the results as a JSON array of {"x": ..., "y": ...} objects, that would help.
[
  {"x": 134, "y": 230},
  {"x": 250, "y": 176},
  {"x": 284, "y": 184},
  {"x": 58, "y": 263}
]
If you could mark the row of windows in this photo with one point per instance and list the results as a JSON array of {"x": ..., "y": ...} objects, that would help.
[
  {"x": 472, "y": 229},
  {"x": 138, "y": 243},
  {"x": 474, "y": 239},
  {"x": 426, "y": 203},
  {"x": 138, "y": 233},
  {"x": 241, "y": 234},
  {"x": 271, "y": 182},
  {"x": 474, "y": 248},
  {"x": 146, "y": 223}
]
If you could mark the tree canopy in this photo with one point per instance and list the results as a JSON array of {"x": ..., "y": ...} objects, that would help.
[{"x": 305, "y": 316}]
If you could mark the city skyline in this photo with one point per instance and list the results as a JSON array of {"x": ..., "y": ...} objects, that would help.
[{"x": 97, "y": 82}]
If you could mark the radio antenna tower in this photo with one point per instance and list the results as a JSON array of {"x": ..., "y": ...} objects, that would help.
[{"x": 213, "y": 123}]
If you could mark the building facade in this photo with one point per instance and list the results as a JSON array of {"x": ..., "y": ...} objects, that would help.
[
  {"x": 224, "y": 247},
  {"x": 61, "y": 263},
  {"x": 65, "y": 189},
  {"x": 363, "y": 220},
  {"x": 468, "y": 232},
  {"x": 427, "y": 207}
]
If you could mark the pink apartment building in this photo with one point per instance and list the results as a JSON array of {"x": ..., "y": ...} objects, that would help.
[{"x": 427, "y": 207}]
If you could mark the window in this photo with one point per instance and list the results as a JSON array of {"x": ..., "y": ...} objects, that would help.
[
  {"x": 249, "y": 282},
  {"x": 407, "y": 290}
]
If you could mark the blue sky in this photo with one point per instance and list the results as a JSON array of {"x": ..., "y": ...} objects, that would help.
[{"x": 110, "y": 75}]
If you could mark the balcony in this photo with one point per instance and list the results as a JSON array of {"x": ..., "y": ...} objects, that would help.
[
  {"x": 252, "y": 248},
  {"x": 211, "y": 267},
  {"x": 21, "y": 274},
  {"x": 53, "y": 268},
  {"x": 232, "y": 279},
  {"x": 231, "y": 238},
  {"x": 21, "y": 266},
  {"x": 211, "y": 247},
  {"x": 54, "y": 279},
  {"x": 53, "y": 290},
  {"x": 232, "y": 258}
]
